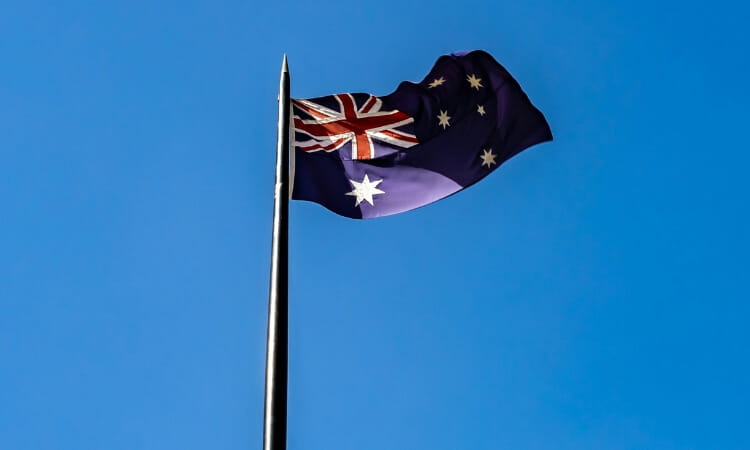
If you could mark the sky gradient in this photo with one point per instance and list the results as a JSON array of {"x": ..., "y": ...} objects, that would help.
[{"x": 591, "y": 294}]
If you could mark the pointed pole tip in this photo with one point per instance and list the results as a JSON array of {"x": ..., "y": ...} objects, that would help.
[{"x": 284, "y": 66}]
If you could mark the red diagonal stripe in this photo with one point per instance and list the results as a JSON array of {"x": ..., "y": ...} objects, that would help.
[
  {"x": 332, "y": 146},
  {"x": 370, "y": 103},
  {"x": 311, "y": 111}
]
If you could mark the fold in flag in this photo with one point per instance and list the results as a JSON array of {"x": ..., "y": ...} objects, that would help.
[{"x": 363, "y": 156}]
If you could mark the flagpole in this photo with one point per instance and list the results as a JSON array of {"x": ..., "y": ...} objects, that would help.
[{"x": 274, "y": 420}]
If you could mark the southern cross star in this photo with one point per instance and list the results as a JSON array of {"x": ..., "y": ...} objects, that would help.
[
  {"x": 437, "y": 82},
  {"x": 364, "y": 190},
  {"x": 444, "y": 119},
  {"x": 480, "y": 110},
  {"x": 488, "y": 158},
  {"x": 474, "y": 81}
]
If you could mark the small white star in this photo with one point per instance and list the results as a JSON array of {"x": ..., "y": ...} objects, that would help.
[
  {"x": 364, "y": 190},
  {"x": 474, "y": 81},
  {"x": 444, "y": 119},
  {"x": 488, "y": 158},
  {"x": 437, "y": 82},
  {"x": 480, "y": 110}
]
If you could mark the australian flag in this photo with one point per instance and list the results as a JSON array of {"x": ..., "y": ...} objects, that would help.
[{"x": 363, "y": 156}]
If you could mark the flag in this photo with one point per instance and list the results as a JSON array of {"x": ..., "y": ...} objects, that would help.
[{"x": 363, "y": 156}]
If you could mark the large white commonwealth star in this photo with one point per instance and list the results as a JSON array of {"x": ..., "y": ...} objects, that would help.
[{"x": 364, "y": 190}]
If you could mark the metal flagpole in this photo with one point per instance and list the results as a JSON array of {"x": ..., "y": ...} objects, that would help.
[{"x": 274, "y": 419}]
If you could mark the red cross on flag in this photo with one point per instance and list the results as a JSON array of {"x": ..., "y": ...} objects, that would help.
[{"x": 359, "y": 122}]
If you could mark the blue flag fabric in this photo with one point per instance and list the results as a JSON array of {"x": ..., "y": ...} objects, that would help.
[{"x": 362, "y": 156}]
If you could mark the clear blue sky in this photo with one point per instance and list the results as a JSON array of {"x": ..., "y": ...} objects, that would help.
[{"x": 591, "y": 294}]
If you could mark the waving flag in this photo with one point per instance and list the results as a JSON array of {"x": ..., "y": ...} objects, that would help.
[{"x": 364, "y": 156}]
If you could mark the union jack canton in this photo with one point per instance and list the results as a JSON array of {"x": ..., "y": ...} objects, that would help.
[{"x": 355, "y": 120}]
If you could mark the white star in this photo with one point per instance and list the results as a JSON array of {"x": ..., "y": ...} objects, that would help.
[
  {"x": 364, "y": 190},
  {"x": 488, "y": 158},
  {"x": 437, "y": 82},
  {"x": 480, "y": 110},
  {"x": 474, "y": 81},
  {"x": 444, "y": 119}
]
